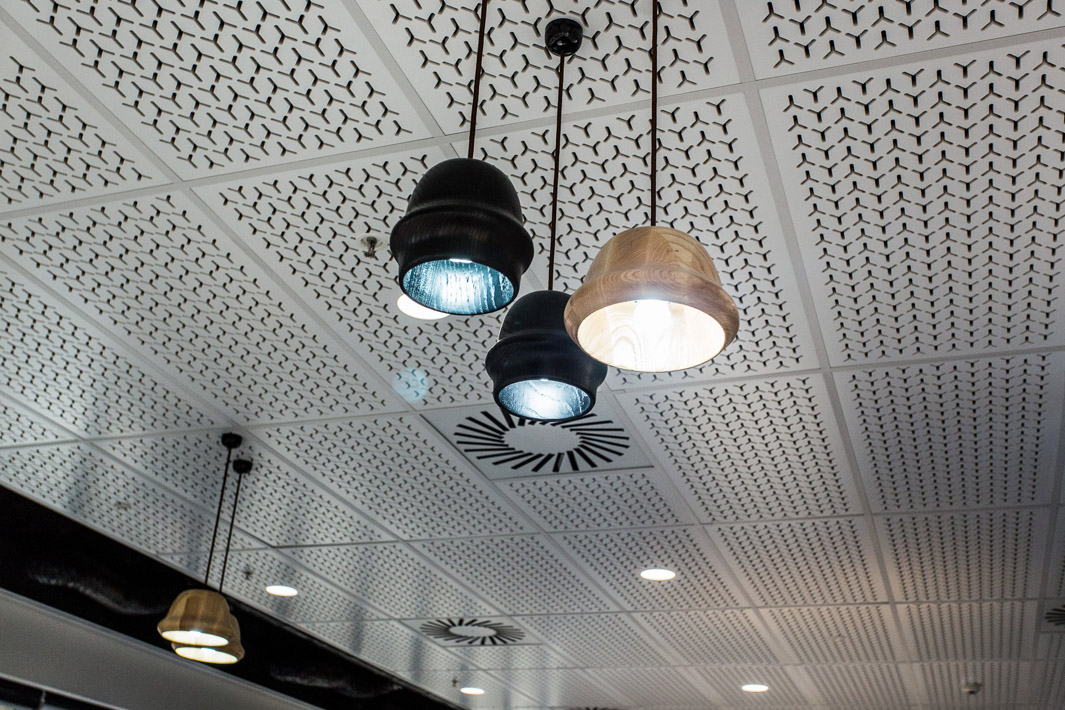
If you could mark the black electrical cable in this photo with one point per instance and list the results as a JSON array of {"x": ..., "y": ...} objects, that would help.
[
  {"x": 654, "y": 111},
  {"x": 558, "y": 160},
  {"x": 218, "y": 516},
  {"x": 476, "y": 108}
]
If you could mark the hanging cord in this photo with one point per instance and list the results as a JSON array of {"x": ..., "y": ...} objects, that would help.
[
  {"x": 218, "y": 517},
  {"x": 558, "y": 160},
  {"x": 477, "y": 79},
  {"x": 654, "y": 111},
  {"x": 243, "y": 469}
]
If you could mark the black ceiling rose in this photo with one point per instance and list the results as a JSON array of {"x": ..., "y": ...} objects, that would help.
[
  {"x": 473, "y": 632},
  {"x": 461, "y": 246},
  {"x": 537, "y": 371}
]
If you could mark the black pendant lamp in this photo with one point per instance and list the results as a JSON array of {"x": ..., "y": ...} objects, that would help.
[
  {"x": 199, "y": 624},
  {"x": 462, "y": 246},
  {"x": 537, "y": 371}
]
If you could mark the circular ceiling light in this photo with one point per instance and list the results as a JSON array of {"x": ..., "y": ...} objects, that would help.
[
  {"x": 461, "y": 246},
  {"x": 281, "y": 590},
  {"x": 537, "y": 371},
  {"x": 658, "y": 574},
  {"x": 412, "y": 308},
  {"x": 754, "y": 688},
  {"x": 652, "y": 302},
  {"x": 471, "y": 690}
]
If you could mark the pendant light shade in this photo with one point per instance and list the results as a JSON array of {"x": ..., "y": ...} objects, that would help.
[
  {"x": 199, "y": 617},
  {"x": 461, "y": 246},
  {"x": 537, "y": 371},
  {"x": 652, "y": 302},
  {"x": 219, "y": 655}
]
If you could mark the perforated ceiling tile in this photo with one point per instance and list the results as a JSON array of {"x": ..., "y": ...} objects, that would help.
[
  {"x": 647, "y": 686},
  {"x": 840, "y": 634},
  {"x": 959, "y": 556},
  {"x": 616, "y": 558},
  {"x": 974, "y": 630},
  {"x": 562, "y": 687},
  {"x": 711, "y": 637},
  {"x": 386, "y": 644},
  {"x": 786, "y": 36},
  {"x": 17, "y": 426},
  {"x": 504, "y": 446},
  {"x": 865, "y": 685},
  {"x": 1004, "y": 683},
  {"x": 964, "y": 433},
  {"x": 754, "y": 449},
  {"x": 157, "y": 270},
  {"x": 925, "y": 202},
  {"x": 596, "y": 640},
  {"x": 277, "y": 505},
  {"x": 807, "y": 562},
  {"x": 589, "y": 501},
  {"x": 519, "y": 656},
  {"x": 520, "y": 574},
  {"x": 436, "y": 42},
  {"x": 84, "y": 485},
  {"x": 314, "y": 225},
  {"x": 725, "y": 682},
  {"x": 249, "y": 572},
  {"x": 62, "y": 369},
  {"x": 712, "y": 184},
  {"x": 390, "y": 468},
  {"x": 446, "y": 684},
  {"x": 54, "y": 145},
  {"x": 392, "y": 578},
  {"x": 212, "y": 85},
  {"x": 1052, "y": 678}
]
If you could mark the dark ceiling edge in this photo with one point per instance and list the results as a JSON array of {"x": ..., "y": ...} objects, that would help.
[{"x": 27, "y": 515}]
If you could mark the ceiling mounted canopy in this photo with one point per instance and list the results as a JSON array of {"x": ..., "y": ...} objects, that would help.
[
  {"x": 461, "y": 246},
  {"x": 652, "y": 300},
  {"x": 537, "y": 371}
]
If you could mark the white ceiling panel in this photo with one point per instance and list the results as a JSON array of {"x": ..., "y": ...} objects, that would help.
[
  {"x": 598, "y": 640},
  {"x": 387, "y": 644},
  {"x": 436, "y": 42},
  {"x": 837, "y": 634},
  {"x": 750, "y": 450},
  {"x": 924, "y": 202},
  {"x": 789, "y": 36},
  {"x": 970, "y": 630},
  {"x": 962, "y": 556},
  {"x": 964, "y": 433},
  {"x": 20, "y": 427},
  {"x": 563, "y": 687},
  {"x": 697, "y": 638},
  {"x": 215, "y": 86},
  {"x": 55, "y": 145},
  {"x": 807, "y": 562},
  {"x": 875, "y": 685}
]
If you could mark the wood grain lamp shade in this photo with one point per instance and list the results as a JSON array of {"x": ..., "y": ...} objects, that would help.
[
  {"x": 199, "y": 617},
  {"x": 652, "y": 302}
]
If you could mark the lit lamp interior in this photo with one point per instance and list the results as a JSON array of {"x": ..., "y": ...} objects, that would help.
[
  {"x": 458, "y": 286},
  {"x": 651, "y": 336},
  {"x": 544, "y": 399}
]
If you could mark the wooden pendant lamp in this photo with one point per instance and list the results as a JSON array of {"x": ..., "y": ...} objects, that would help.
[{"x": 652, "y": 300}]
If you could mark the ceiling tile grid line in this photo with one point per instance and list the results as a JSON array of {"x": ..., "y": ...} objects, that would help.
[{"x": 762, "y": 129}]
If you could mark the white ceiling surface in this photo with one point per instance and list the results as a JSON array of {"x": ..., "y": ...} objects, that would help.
[{"x": 861, "y": 496}]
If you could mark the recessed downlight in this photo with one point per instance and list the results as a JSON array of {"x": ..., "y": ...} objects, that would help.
[
  {"x": 416, "y": 310},
  {"x": 281, "y": 590},
  {"x": 471, "y": 690},
  {"x": 658, "y": 574},
  {"x": 754, "y": 688}
]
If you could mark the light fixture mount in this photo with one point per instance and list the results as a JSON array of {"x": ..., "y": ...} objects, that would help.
[{"x": 563, "y": 36}]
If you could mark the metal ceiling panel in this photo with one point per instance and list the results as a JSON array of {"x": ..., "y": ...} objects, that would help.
[
  {"x": 435, "y": 44},
  {"x": 758, "y": 449},
  {"x": 969, "y": 630},
  {"x": 837, "y": 634},
  {"x": 725, "y": 636}
]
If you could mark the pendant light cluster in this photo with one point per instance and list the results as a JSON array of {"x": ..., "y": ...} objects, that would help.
[
  {"x": 199, "y": 625},
  {"x": 652, "y": 300}
]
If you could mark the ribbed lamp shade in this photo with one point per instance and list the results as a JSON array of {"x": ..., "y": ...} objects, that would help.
[
  {"x": 219, "y": 655},
  {"x": 537, "y": 371},
  {"x": 652, "y": 302},
  {"x": 199, "y": 617},
  {"x": 461, "y": 246}
]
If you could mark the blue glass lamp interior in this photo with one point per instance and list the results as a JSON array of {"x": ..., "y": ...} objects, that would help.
[
  {"x": 543, "y": 399},
  {"x": 458, "y": 286}
]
